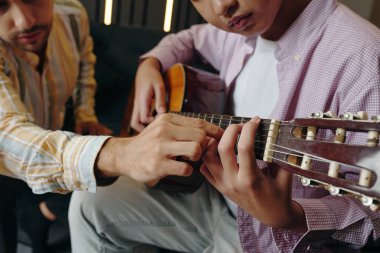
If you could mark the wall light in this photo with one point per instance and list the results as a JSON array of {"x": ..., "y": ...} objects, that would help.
[
  {"x": 108, "y": 12},
  {"x": 168, "y": 15}
]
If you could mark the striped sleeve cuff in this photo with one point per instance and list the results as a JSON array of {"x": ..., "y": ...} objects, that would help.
[{"x": 79, "y": 160}]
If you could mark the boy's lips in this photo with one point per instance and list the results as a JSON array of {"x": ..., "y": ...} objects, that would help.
[{"x": 239, "y": 22}]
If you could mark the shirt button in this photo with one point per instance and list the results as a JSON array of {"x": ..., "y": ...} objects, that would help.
[
  {"x": 309, "y": 248},
  {"x": 297, "y": 57},
  {"x": 286, "y": 237}
]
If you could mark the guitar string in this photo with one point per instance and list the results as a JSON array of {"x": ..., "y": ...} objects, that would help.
[
  {"x": 224, "y": 124},
  {"x": 302, "y": 136},
  {"x": 323, "y": 183},
  {"x": 234, "y": 119},
  {"x": 351, "y": 181},
  {"x": 263, "y": 133},
  {"x": 301, "y": 155},
  {"x": 231, "y": 119},
  {"x": 295, "y": 153}
]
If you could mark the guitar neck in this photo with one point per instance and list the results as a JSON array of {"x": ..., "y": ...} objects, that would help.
[
  {"x": 285, "y": 143},
  {"x": 223, "y": 121}
]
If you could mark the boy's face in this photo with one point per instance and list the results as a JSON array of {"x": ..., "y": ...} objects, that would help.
[
  {"x": 246, "y": 17},
  {"x": 26, "y": 24}
]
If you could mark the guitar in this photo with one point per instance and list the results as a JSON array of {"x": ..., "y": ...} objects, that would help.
[{"x": 291, "y": 144}]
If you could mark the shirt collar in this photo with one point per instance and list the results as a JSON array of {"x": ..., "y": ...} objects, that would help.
[{"x": 311, "y": 19}]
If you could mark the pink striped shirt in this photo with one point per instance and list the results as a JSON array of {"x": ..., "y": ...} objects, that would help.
[{"x": 329, "y": 59}]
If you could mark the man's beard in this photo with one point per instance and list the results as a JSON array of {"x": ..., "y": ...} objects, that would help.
[{"x": 34, "y": 46}]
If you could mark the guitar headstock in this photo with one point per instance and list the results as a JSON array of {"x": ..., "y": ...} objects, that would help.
[{"x": 297, "y": 146}]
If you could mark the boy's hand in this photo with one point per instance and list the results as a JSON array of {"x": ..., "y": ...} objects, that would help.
[
  {"x": 265, "y": 194},
  {"x": 149, "y": 87}
]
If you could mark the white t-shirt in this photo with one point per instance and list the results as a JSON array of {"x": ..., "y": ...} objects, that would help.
[{"x": 256, "y": 89}]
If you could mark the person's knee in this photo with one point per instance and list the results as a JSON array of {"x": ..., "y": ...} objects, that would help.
[
  {"x": 98, "y": 209},
  {"x": 75, "y": 212},
  {"x": 79, "y": 211}
]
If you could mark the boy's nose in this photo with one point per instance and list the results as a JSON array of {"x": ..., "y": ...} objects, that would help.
[{"x": 225, "y": 7}]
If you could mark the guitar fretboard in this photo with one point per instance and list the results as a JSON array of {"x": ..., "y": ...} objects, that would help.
[{"x": 223, "y": 121}]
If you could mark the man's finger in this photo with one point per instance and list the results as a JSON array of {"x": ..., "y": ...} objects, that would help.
[
  {"x": 175, "y": 168},
  {"x": 188, "y": 150},
  {"x": 190, "y": 134},
  {"x": 210, "y": 129}
]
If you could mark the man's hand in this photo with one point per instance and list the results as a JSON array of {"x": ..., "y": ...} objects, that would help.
[
  {"x": 265, "y": 194},
  {"x": 149, "y": 86},
  {"x": 92, "y": 128},
  {"x": 151, "y": 155}
]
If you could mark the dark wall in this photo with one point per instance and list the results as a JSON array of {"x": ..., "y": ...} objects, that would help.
[{"x": 144, "y": 13}]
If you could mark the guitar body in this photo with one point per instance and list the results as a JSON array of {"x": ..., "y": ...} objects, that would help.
[
  {"x": 194, "y": 90},
  {"x": 191, "y": 90}
]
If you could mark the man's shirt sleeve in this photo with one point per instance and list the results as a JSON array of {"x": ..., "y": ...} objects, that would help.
[{"x": 47, "y": 160}]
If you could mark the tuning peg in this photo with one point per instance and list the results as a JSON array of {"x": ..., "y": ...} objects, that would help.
[
  {"x": 365, "y": 177},
  {"x": 376, "y": 118},
  {"x": 354, "y": 116},
  {"x": 306, "y": 160},
  {"x": 367, "y": 201},
  {"x": 333, "y": 190},
  {"x": 330, "y": 114},
  {"x": 309, "y": 182},
  {"x": 324, "y": 115},
  {"x": 362, "y": 115},
  {"x": 375, "y": 207},
  {"x": 311, "y": 135},
  {"x": 340, "y": 137}
]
